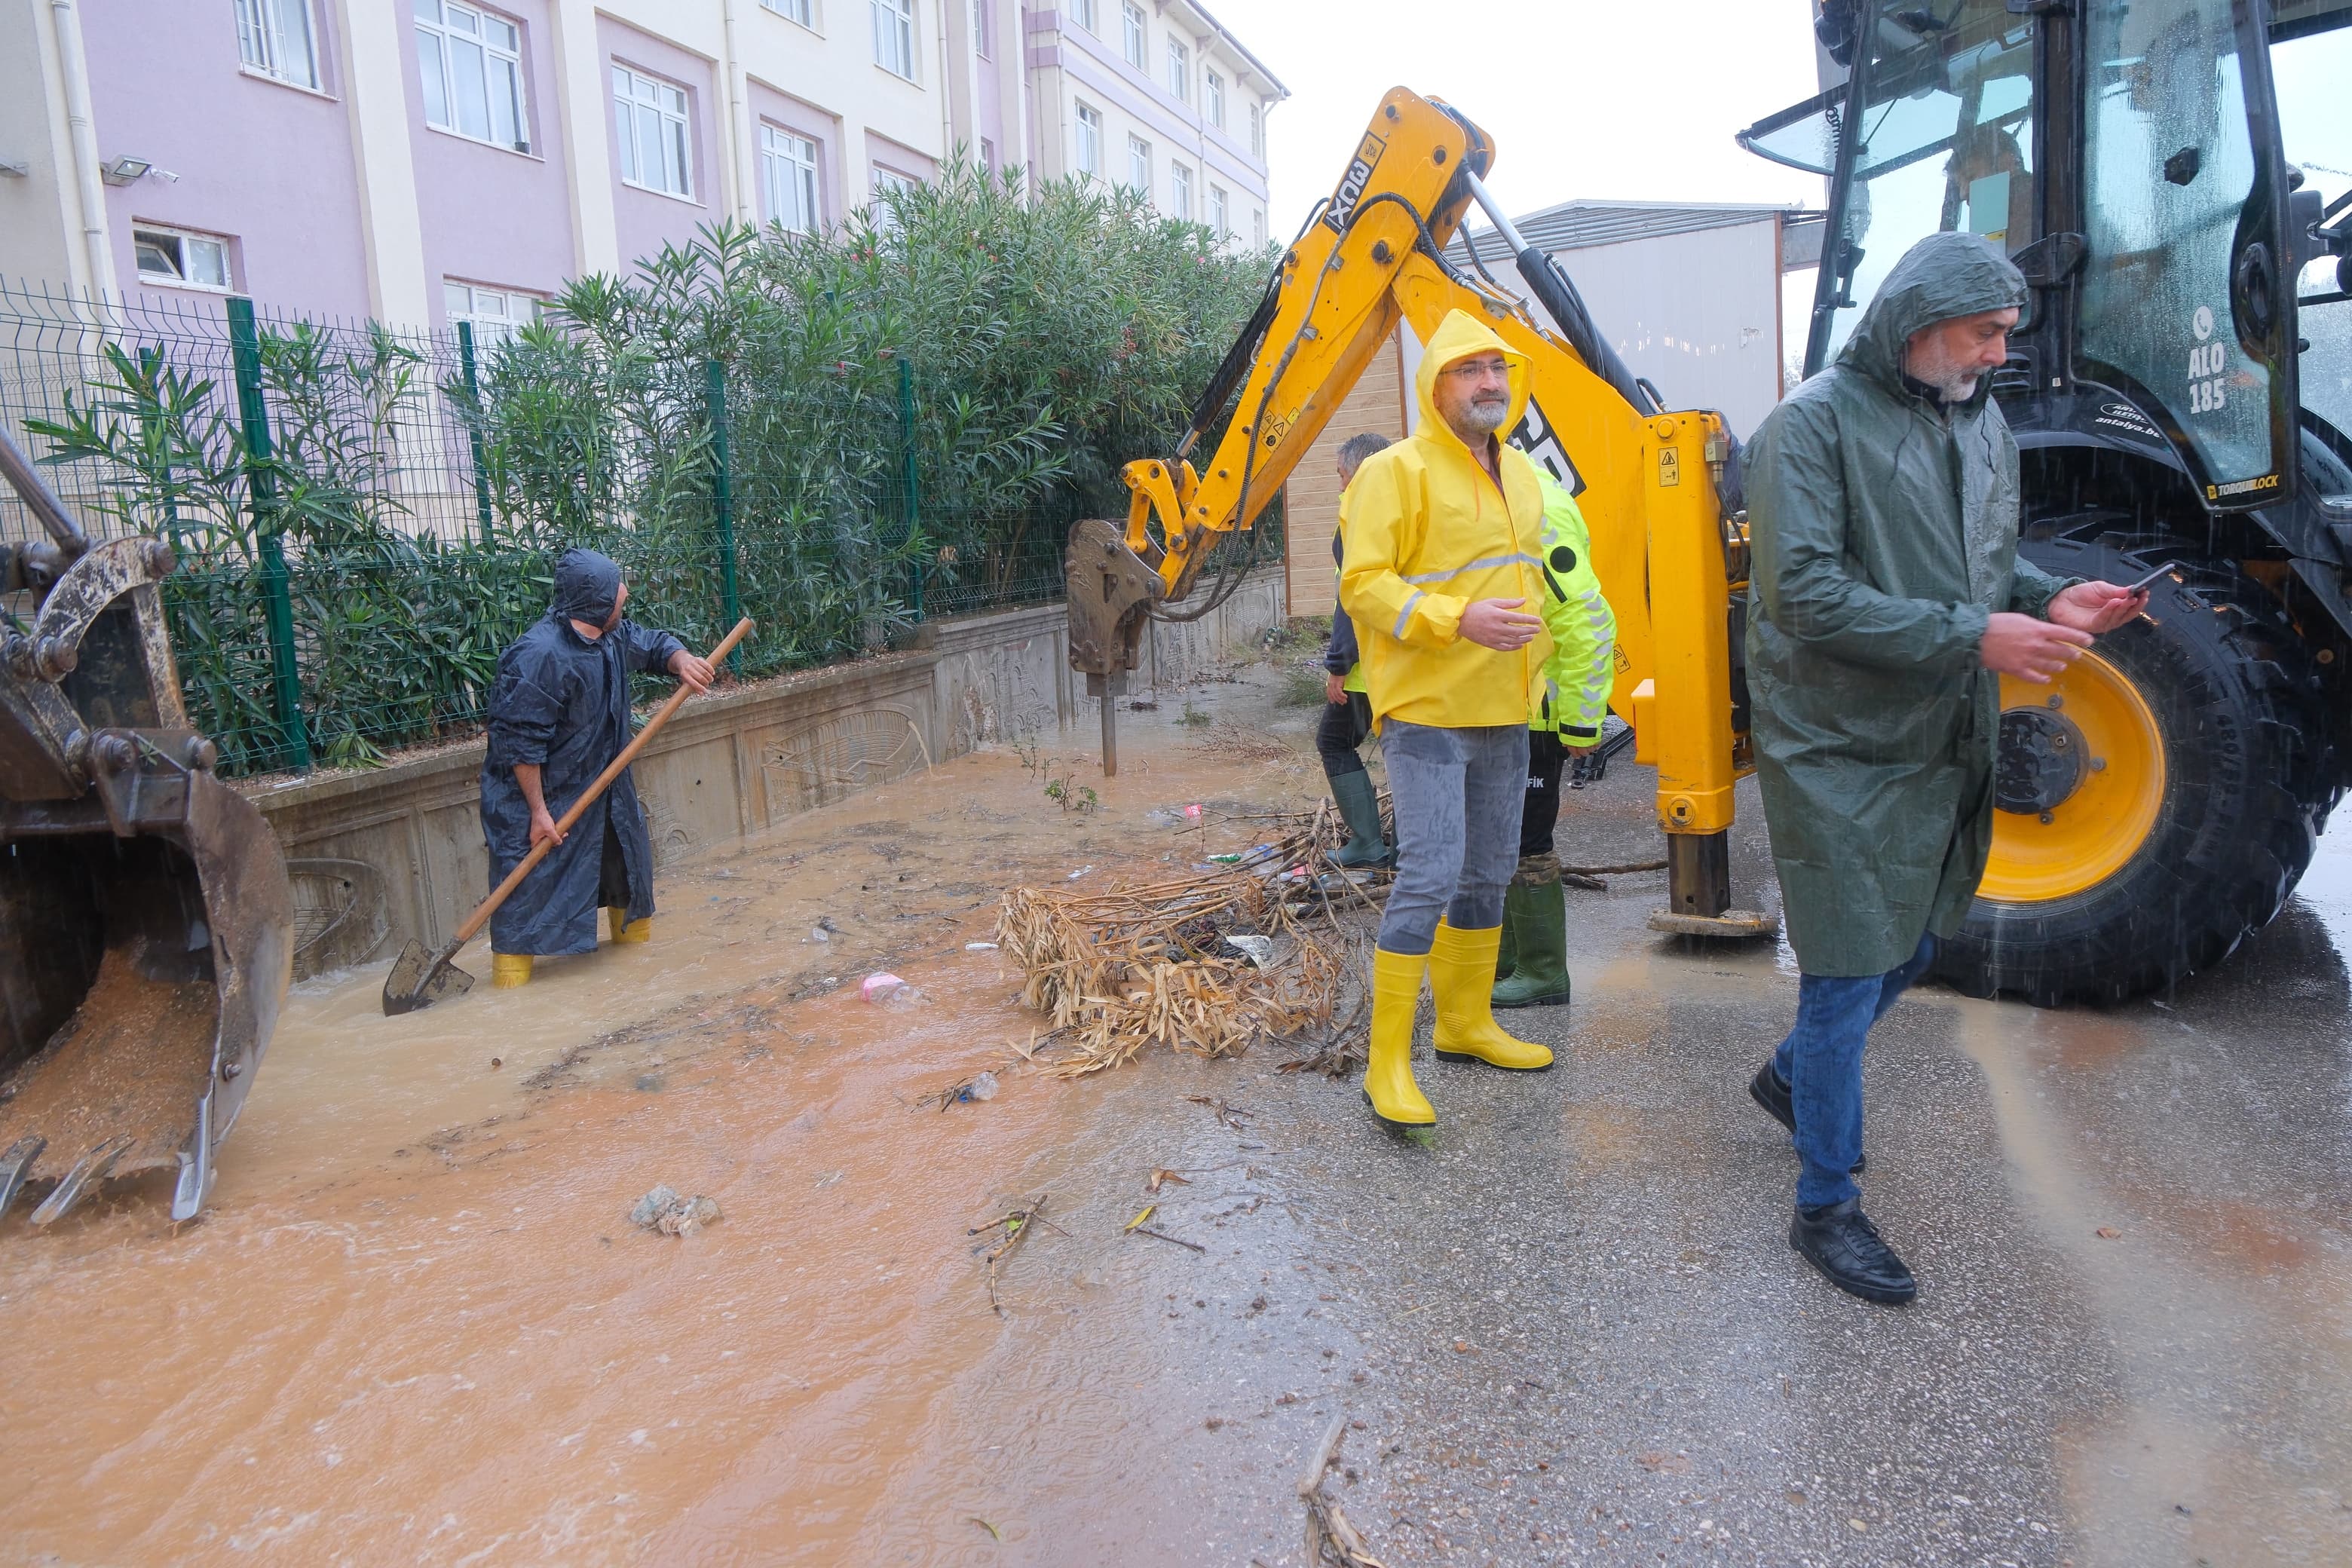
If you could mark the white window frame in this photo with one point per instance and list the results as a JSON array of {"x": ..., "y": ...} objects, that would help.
[
  {"x": 178, "y": 240},
  {"x": 1220, "y": 214},
  {"x": 1179, "y": 190},
  {"x": 1089, "y": 136},
  {"x": 1257, "y": 225},
  {"x": 788, "y": 178},
  {"x": 1082, "y": 12},
  {"x": 1180, "y": 69},
  {"x": 983, "y": 28},
  {"x": 637, "y": 97},
  {"x": 1216, "y": 96},
  {"x": 1257, "y": 132},
  {"x": 802, "y": 12},
  {"x": 464, "y": 301},
  {"x": 1135, "y": 32},
  {"x": 444, "y": 39},
  {"x": 894, "y": 37},
  {"x": 264, "y": 48},
  {"x": 884, "y": 180},
  {"x": 1139, "y": 166}
]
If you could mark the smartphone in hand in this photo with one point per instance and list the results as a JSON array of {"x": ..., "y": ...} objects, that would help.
[{"x": 2141, "y": 586}]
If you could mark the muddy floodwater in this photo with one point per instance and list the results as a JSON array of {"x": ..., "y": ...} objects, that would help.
[{"x": 415, "y": 1325}]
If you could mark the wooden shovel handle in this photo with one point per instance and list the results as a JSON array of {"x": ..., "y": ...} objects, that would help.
[{"x": 489, "y": 906}]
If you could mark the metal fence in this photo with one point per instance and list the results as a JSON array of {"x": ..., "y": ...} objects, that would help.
[{"x": 367, "y": 517}]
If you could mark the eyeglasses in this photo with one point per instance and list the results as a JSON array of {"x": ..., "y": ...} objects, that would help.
[{"x": 1480, "y": 370}]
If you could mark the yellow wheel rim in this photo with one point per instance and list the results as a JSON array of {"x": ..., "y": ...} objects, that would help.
[{"x": 2080, "y": 783}]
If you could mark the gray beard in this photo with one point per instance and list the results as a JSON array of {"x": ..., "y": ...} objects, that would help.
[
  {"x": 1954, "y": 382},
  {"x": 1480, "y": 420}
]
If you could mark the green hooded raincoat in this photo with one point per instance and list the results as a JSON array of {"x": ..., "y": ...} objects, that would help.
[{"x": 1884, "y": 526}]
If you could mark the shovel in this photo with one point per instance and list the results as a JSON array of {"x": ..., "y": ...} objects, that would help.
[{"x": 420, "y": 978}]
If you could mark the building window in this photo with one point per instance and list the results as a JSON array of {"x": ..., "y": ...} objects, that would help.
[
  {"x": 894, "y": 35},
  {"x": 1179, "y": 190},
  {"x": 1216, "y": 101},
  {"x": 1135, "y": 34},
  {"x": 1090, "y": 142},
  {"x": 655, "y": 151},
  {"x": 1082, "y": 12},
  {"x": 194, "y": 260},
  {"x": 788, "y": 171},
  {"x": 1138, "y": 165},
  {"x": 987, "y": 155},
  {"x": 471, "y": 62},
  {"x": 275, "y": 38},
  {"x": 890, "y": 180},
  {"x": 1257, "y": 133},
  {"x": 1217, "y": 222},
  {"x": 497, "y": 314},
  {"x": 983, "y": 28},
  {"x": 1180, "y": 70},
  {"x": 1257, "y": 225},
  {"x": 800, "y": 11}
]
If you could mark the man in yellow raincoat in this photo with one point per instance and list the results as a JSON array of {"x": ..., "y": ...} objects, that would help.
[{"x": 1444, "y": 580}]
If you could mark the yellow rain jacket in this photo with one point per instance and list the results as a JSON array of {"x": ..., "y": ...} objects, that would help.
[{"x": 1427, "y": 531}]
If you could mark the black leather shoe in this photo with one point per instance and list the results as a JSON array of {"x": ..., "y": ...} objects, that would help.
[
  {"x": 1766, "y": 1090},
  {"x": 1844, "y": 1246}
]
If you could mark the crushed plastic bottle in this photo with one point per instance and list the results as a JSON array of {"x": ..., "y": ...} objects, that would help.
[
  {"x": 884, "y": 988},
  {"x": 982, "y": 1088}
]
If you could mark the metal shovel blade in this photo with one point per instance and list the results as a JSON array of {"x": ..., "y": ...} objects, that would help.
[{"x": 418, "y": 979}]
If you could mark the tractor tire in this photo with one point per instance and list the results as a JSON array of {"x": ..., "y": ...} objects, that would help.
[{"x": 2143, "y": 835}]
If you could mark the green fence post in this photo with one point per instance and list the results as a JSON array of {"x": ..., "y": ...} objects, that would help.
[
  {"x": 474, "y": 429},
  {"x": 722, "y": 498},
  {"x": 912, "y": 474},
  {"x": 261, "y": 493}
]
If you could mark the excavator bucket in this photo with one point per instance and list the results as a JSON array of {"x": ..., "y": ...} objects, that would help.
[{"x": 146, "y": 923}]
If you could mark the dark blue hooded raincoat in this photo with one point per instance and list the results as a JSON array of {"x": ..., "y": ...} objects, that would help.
[{"x": 562, "y": 701}]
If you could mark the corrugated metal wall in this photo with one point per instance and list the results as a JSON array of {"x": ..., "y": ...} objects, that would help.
[{"x": 1698, "y": 314}]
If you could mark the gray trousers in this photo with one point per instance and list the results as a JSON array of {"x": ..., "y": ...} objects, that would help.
[{"x": 1458, "y": 794}]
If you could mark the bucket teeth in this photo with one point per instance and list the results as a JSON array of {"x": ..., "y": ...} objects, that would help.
[
  {"x": 14, "y": 1163},
  {"x": 88, "y": 1172}
]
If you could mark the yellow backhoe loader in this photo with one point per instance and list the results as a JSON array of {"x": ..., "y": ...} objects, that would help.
[
  {"x": 1671, "y": 561},
  {"x": 146, "y": 925}
]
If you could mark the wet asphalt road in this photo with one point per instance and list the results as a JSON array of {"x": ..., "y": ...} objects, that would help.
[{"x": 1569, "y": 1327}]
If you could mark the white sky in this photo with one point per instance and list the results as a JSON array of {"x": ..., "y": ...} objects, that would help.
[{"x": 1583, "y": 98}]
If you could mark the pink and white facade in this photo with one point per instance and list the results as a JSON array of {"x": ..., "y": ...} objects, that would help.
[{"x": 418, "y": 161}]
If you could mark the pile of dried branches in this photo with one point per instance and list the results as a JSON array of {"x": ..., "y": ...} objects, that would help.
[{"x": 1122, "y": 969}]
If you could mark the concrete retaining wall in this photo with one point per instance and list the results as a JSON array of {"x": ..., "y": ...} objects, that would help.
[{"x": 382, "y": 856}]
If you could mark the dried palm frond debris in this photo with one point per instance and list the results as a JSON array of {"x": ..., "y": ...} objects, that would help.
[
  {"x": 1210, "y": 962},
  {"x": 1331, "y": 1541}
]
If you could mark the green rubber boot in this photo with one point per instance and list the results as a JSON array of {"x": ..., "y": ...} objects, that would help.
[
  {"x": 1535, "y": 919},
  {"x": 1359, "y": 808}
]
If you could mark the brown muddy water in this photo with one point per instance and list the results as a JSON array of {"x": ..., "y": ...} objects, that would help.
[{"x": 415, "y": 1325}]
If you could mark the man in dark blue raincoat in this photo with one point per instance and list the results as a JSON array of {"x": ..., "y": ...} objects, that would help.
[{"x": 559, "y": 715}]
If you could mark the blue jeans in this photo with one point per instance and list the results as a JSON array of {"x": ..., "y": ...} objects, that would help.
[
  {"x": 1458, "y": 795},
  {"x": 1820, "y": 1061}
]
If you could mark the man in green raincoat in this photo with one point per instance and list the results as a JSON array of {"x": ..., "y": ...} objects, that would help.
[{"x": 1887, "y": 602}]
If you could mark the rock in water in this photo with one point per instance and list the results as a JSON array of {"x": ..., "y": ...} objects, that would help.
[{"x": 664, "y": 1211}]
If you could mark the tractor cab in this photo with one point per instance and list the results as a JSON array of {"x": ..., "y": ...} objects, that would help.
[{"x": 2174, "y": 180}]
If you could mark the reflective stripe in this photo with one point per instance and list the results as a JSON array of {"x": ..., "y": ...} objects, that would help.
[
  {"x": 1476, "y": 566},
  {"x": 1406, "y": 614}
]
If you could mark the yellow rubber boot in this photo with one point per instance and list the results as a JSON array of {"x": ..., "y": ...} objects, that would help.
[
  {"x": 624, "y": 929},
  {"x": 1388, "y": 1078},
  {"x": 508, "y": 969},
  {"x": 1462, "y": 978}
]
